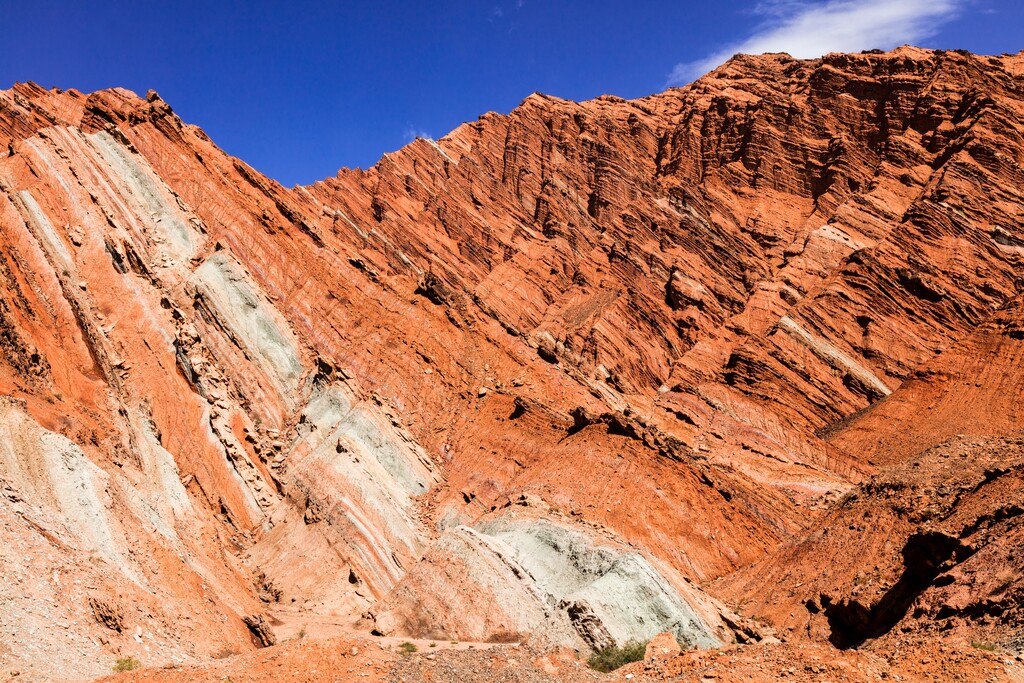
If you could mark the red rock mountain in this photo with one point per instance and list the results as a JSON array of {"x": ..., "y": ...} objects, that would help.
[{"x": 740, "y": 361}]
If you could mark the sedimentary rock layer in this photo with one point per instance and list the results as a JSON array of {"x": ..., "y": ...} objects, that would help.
[{"x": 687, "y": 324}]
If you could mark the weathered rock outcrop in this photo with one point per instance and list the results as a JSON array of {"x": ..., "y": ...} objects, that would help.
[
  {"x": 931, "y": 544},
  {"x": 691, "y": 323},
  {"x": 552, "y": 583}
]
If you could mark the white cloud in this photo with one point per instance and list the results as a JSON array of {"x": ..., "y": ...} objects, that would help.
[
  {"x": 807, "y": 29},
  {"x": 412, "y": 132}
]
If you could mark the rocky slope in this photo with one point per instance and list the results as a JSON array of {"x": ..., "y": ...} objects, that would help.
[
  {"x": 551, "y": 374},
  {"x": 931, "y": 545}
]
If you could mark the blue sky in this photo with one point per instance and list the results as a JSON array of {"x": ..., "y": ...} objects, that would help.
[{"x": 300, "y": 89}]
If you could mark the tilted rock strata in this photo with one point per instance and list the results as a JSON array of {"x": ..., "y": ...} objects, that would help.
[
  {"x": 514, "y": 578},
  {"x": 175, "y": 383},
  {"x": 654, "y": 315},
  {"x": 931, "y": 544}
]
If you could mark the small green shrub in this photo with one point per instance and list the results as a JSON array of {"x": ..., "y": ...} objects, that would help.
[
  {"x": 302, "y": 632},
  {"x": 612, "y": 657},
  {"x": 407, "y": 648},
  {"x": 988, "y": 647},
  {"x": 126, "y": 664}
]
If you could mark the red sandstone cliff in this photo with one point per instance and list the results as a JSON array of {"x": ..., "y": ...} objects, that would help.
[{"x": 674, "y": 334}]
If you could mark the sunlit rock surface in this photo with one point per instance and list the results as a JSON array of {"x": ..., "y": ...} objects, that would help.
[{"x": 692, "y": 331}]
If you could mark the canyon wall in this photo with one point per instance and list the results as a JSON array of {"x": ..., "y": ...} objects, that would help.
[{"x": 559, "y": 372}]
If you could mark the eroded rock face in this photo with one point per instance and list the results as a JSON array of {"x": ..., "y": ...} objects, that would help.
[
  {"x": 930, "y": 546},
  {"x": 546, "y": 582},
  {"x": 665, "y": 318}
]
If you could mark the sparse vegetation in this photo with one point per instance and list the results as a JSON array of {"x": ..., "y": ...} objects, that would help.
[
  {"x": 613, "y": 657},
  {"x": 407, "y": 648},
  {"x": 126, "y": 664},
  {"x": 988, "y": 647},
  {"x": 302, "y": 633}
]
